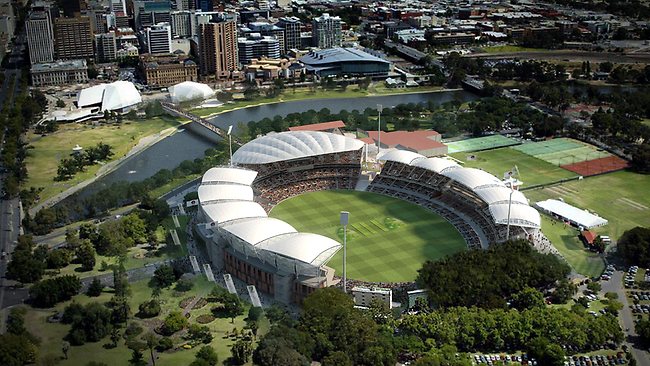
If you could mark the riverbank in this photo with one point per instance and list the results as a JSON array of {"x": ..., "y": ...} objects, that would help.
[{"x": 43, "y": 159}]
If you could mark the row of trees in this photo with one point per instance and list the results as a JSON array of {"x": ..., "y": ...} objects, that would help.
[
  {"x": 68, "y": 167},
  {"x": 490, "y": 278},
  {"x": 18, "y": 347},
  {"x": 118, "y": 194}
]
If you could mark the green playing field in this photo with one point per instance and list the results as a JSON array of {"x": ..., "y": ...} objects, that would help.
[{"x": 388, "y": 239}]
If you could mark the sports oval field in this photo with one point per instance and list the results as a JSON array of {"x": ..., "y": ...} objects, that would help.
[{"x": 388, "y": 239}]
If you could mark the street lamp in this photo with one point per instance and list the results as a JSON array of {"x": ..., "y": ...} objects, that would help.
[
  {"x": 509, "y": 205},
  {"x": 230, "y": 142},
  {"x": 379, "y": 108},
  {"x": 344, "y": 221}
]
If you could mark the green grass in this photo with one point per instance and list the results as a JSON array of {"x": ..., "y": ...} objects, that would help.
[
  {"x": 619, "y": 197},
  {"x": 562, "y": 151},
  {"x": 51, "y": 334},
  {"x": 565, "y": 239},
  {"x": 46, "y": 152},
  {"x": 533, "y": 171},
  {"x": 510, "y": 48},
  {"x": 388, "y": 239},
  {"x": 480, "y": 143}
]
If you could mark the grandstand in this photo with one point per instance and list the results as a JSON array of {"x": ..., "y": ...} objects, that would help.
[{"x": 474, "y": 201}]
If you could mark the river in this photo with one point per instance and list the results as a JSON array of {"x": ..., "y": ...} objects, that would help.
[{"x": 183, "y": 145}]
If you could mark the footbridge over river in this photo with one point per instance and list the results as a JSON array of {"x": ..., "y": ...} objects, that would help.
[{"x": 198, "y": 125}]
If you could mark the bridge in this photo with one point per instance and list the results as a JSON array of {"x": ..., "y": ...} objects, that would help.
[{"x": 206, "y": 129}]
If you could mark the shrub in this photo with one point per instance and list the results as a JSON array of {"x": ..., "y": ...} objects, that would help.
[
  {"x": 95, "y": 288},
  {"x": 149, "y": 309},
  {"x": 164, "y": 344},
  {"x": 184, "y": 285},
  {"x": 174, "y": 322},
  {"x": 204, "y": 319}
]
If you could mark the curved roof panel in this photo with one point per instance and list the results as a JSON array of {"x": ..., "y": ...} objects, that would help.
[
  {"x": 189, "y": 90},
  {"x": 293, "y": 145},
  {"x": 520, "y": 215},
  {"x": 255, "y": 230},
  {"x": 400, "y": 156},
  {"x": 218, "y": 192},
  {"x": 229, "y": 175},
  {"x": 225, "y": 211},
  {"x": 120, "y": 94},
  {"x": 493, "y": 195},
  {"x": 435, "y": 164},
  {"x": 91, "y": 96},
  {"x": 309, "y": 248},
  {"x": 473, "y": 178}
]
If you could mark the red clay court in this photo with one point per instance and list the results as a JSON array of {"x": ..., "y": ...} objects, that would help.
[{"x": 597, "y": 166}]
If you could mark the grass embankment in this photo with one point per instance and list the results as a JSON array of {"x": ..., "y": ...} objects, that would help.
[
  {"x": 302, "y": 93},
  {"x": 533, "y": 171},
  {"x": 46, "y": 152},
  {"x": 388, "y": 239},
  {"x": 51, "y": 334},
  {"x": 138, "y": 256}
]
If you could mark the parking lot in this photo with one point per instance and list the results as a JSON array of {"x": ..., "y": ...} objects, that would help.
[{"x": 618, "y": 359}]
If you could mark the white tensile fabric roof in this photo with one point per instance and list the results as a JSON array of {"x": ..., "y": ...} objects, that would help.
[
  {"x": 117, "y": 95},
  {"x": 224, "y": 211},
  {"x": 229, "y": 175},
  {"x": 292, "y": 145},
  {"x": 255, "y": 230},
  {"x": 578, "y": 216},
  {"x": 306, "y": 247},
  {"x": 488, "y": 187},
  {"x": 226, "y": 200},
  {"x": 189, "y": 90},
  {"x": 435, "y": 164},
  {"x": 400, "y": 156},
  {"x": 219, "y": 192},
  {"x": 500, "y": 195},
  {"x": 473, "y": 178},
  {"x": 520, "y": 215}
]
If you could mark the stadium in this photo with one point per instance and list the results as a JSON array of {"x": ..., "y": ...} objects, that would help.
[{"x": 288, "y": 264}]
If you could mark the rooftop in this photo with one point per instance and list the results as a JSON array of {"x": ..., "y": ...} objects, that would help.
[
  {"x": 339, "y": 54},
  {"x": 323, "y": 126}
]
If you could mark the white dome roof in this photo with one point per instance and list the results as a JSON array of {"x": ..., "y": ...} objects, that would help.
[
  {"x": 293, "y": 145},
  {"x": 435, "y": 164},
  {"x": 473, "y": 178},
  {"x": 189, "y": 90},
  {"x": 400, "y": 156}
]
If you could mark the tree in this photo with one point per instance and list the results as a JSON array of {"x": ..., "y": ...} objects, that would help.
[
  {"x": 163, "y": 276},
  {"x": 93, "y": 324},
  {"x": 174, "y": 322},
  {"x": 60, "y": 103},
  {"x": 207, "y": 355},
  {"x": 149, "y": 309},
  {"x": 254, "y": 314},
  {"x": 643, "y": 329},
  {"x": 137, "y": 359},
  {"x": 24, "y": 267},
  {"x": 527, "y": 298},
  {"x": 58, "y": 258},
  {"x": 241, "y": 352},
  {"x": 564, "y": 291},
  {"x": 232, "y": 306},
  {"x": 594, "y": 286},
  {"x": 115, "y": 336},
  {"x": 634, "y": 246},
  {"x": 152, "y": 342},
  {"x": 16, "y": 350},
  {"x": 48, "y": 292},
  {"x": 86, "y": 255},
  {"x": 545, "y": 352},
  {"x": 65, "y": 347},
  {"x": 337, "y": 359},
  {"x": 199, "y": 333},
  {"x": 95, "y": 288}
]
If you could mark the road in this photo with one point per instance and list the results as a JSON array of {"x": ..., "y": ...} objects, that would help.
[{"x": 626, "y": 318}]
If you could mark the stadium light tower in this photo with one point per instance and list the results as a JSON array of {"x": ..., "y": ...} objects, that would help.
[
  {"x": 230, "y": 142},
  {"x": 344, "y": 221},
  {"x": 509, "y": 205},
  {"x": 379, "y": 109}
]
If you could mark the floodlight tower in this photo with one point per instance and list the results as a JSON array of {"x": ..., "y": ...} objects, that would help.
[
  {"x": 509, "y": 206},
  {"x": 344, "y": 221},
  {"x": 230, "y": 142}
]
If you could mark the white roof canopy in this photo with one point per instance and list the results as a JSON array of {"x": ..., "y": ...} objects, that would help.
[
  {"x": 114, "y": 96},
  {"x": 189, "y": 90},
  {"x": 493, "y": 195},
  {"x": 306, "y": 247},
  {"x": 255, "y": 230},
  {"x": 473, "y": 178},
  {"x": 574, "y": 214},
  {"x": 520, "y": 215},
  {"x": 219, "y": 192},
  {"x": 224, "y": 211},
  {"x": 229, "y": 175},
  {"x": 400, "y": 156},
  {"x": 293, "y": 145},
  {"x": 435, "y": 164}
]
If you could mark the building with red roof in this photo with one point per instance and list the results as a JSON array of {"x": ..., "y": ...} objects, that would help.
[
  {"x": 426, "y": 142},
  {"x": 332, "y": 126}
]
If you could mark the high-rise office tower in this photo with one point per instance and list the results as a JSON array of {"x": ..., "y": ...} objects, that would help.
[
  {"x": 291, "y": 27},
  {"x": 106, "y": 47},
  {"x": 40, "y": 38},
  {"x": 119, "y": 7},
  {"x": 257, "y": 46},
  {"x": 218, "y": 49},
  {"x": 181, "y": 22},
  {"x": 73, "y": 38},
  {"x": 159, "y": 38},
  {"x": 326, "y": 31}
]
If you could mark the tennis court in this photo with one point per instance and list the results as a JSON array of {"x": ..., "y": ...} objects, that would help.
[
  {"x": 597, "y": 166},
  {"x": 480, "y": 143},
  {"x": 562, "y": 151}
]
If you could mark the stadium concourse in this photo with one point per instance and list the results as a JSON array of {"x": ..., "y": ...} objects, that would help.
[{"x": 272, "y": 255}]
